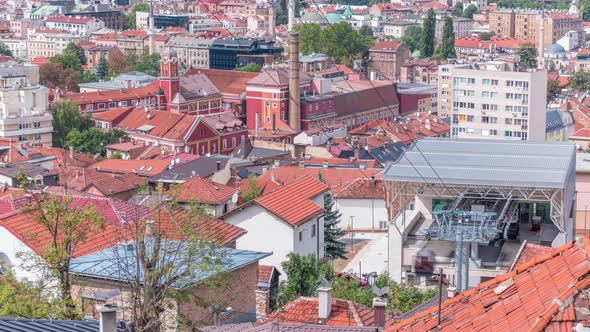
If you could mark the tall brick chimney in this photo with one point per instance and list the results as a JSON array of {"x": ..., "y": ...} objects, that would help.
[
  {"x": 262, "y": 302},
  {"x": 294, "y": 98},
  {"x": 379, "y": 306}
]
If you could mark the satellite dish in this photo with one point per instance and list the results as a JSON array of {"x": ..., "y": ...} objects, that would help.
[{"x": 234, "y": 198}]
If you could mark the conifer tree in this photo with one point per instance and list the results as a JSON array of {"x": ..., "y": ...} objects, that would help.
[
  {"x": 333, "y": 248},
  {"x": 446, "y": 50},
  {"x": 428, "y": 35},
  {"x": 102, "y": 69}
]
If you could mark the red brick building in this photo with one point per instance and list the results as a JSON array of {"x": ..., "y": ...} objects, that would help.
[
  {"x": 387, "y": 57},
  {"x": 193, "y": 94}
]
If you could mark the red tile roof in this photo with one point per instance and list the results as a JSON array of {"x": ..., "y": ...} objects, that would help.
[
  {"x": 265, "y": 273},
  {"x": 113, "y": 95},
  {"x": 543, "y": 294},
  {"x": 529, "y": 252},
  {"x": 168, "y": 125},
  {"x": 360, "y": 188},
  {"x": 202, "y": 190},
  {"x": 173, "y": 220},
  {"x": 114, "y": 115},
  {"x": 385, "y": 46},
  {"x": 292, "y": 202},
  {"x": 305, "y": 310},
  {"x": 125, "y": 146},
  {"x": 140, "y": 167},
  {"x": 107, "y": 183}
]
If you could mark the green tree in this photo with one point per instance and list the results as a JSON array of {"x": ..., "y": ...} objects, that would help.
[
  {"x": 403, "y": 298},
  {"x": 340, "y": 41},
  {"x": 251, "y": 189},
  {"x": 149, "y": 64},
  {"x": 76, "y": 51},
  {"x": 88, "y": 76},
  {"x": 530, "y": 4},
  {"x": 333, "y": 248},
  {"x": 528, "y": 55},
  {"x": 129, "y": 20},
  {"x": 26, "y": 299},
  {"x": 458, "y": 9},
  {"x": 580, "y": 81},
  {"x": 553, "y": 89},
  {"x": 586, "y": 14},
  {"x": 486, "y": 35},
  {"x": 282, "y": 12},
  {"x": 67, "y": 228},
  {"x": 446, "y": 49},
  {"x": 66, "y": 118},
  {"x": 303, "y": 277},
  {"x": 68, "y": 61},
  {"x": 4, "y": 50},
  {"x": 102, "y": 69},
  {"x": 310, "y": 35},
  {"x": 412, "y": 38},
  {"x": 251, "y": 67},
  {"x": 117, "y": 62},
  {"x": 93, "y": 140},
  {"x": 427, "y": 39},
  {"x": 366, "y": 31},
  {"x": 470, "y": 11}
]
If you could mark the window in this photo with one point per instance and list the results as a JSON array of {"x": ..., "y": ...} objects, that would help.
[
  {"x": 224, "y": 144},
  {"x": 101, "y": 105},
  {"x": 489, "y": 107},
  {"x": 233, "y": 141},
  {"x": 508, "y": 121},
  {"x": 89, "y": 107},
  {"x": 114, "y": 104},
  {"x": 464, "y": 80},
  {"x": 300, "y": 236},
  {"x": 312, "y": 230},
  {"x": 225, "y": 208},
  {"x": 37, "y": 136}
]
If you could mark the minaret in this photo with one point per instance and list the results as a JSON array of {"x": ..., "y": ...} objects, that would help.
[
  {"x": 574, "y": 10},
  {"x": 151, "y": 30},
  {"x": 541, "y": 62},
  {"x": 271, "y": 21},
  {"x": 291, "y": 23}
]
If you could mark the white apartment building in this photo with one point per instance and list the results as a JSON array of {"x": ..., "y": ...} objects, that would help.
[
  {"x": 461, "y": 27},
  {"x": 23, "y": 106},
  {"x": 191, "y": 51},
  {"x": 17, "y": 46},
  {"x": 200, "y": 25},
  {"x": 48, "y": 42},
  {"x": 398, "y": 29},
  {"x": 79, "y": 26},
  {"x": 493, "y": 101}
]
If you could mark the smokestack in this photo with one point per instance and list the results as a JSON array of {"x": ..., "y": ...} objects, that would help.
[
  {"x": 294, "y": 98},
  {"x": 151, "y": 30},
  {"x": 274, "y": 122},
  {"x": 108, "y": 317},
  {"x": 271, "y": 21},
  {"x": 291, "y": 15}
]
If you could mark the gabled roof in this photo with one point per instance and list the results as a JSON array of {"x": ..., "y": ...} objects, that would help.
[
  {"x": 385, "y": 46},
  {"x": 360, "y": 188},
  {"x": 202, "y": 190},
  {"x": 197, "y": 86},
  {"x": 292, "y": 203},
  {"x": 276, "y": 77},
  {"x": 114, "y": 115},
  {"x": 140, "y": 167},
  {"x": 546, "y": 293},
  {"x": 113, "y": 95},
  {"x": 203, "y": 167},
  {"x": 305, "y": 310},
  {"x": 173, "y": 126}
]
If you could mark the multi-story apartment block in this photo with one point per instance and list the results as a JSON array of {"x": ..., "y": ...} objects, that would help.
[
  {"x": 17, "y": 46},
  {"x": 191, "y": 51},
  {"x": 525, "y": 24},
  {"x": 79, "y": 26},
  {"x": 23, "y": 106},
  {"x": 386, "y": 58},
  {"x": 398, "y": 29},
  {"x": 420, "y": 71},
  {"x": 493, "y": 101},
  {"x": 203, "y": 24},
  {"x": 461, "y": 27},
  {"x": 48, "y": 42}
]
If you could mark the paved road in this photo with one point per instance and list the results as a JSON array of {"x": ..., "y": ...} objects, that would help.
[{"x": 372, "y": 257}]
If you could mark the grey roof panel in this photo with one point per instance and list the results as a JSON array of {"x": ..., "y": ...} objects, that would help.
[
  {"x": 485, "y": 162},
  {"x": 12, "y": 324}
]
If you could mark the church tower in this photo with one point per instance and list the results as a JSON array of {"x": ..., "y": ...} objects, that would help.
[{"x": 169, "y": 78}]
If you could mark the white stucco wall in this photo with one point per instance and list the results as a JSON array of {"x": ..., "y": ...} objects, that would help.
[
  {"x": 10, "y": 246},
  {"x": 366, "y": 213}
]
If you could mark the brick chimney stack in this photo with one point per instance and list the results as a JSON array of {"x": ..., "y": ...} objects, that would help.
[
  {"x": 262, "y": 302},
  {"x": 294, "y": 98},
  {"x": 108, "y": 317},
  {"x": 379, "y": 306}
]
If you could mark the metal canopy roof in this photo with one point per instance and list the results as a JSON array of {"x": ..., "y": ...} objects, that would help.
[{"x": 486, "y": 163}]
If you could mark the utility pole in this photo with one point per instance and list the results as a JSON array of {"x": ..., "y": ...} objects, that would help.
[
  {"x": 352, "y": 234},
  {"x": 440, "y": 282}
]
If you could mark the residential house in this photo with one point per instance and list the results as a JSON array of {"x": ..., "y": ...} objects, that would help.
[
  {"x": 293, "y": 214},
  {"x": 48, "y": 42},
  {"x": 386, "y": 58},
  {"x": 420, "y": 71},
  {"x": 192, "y": 52},
  {"x": 461, "y": 27},
  {"x": 216, "y": 168},
  {"x": 144, "y": 168},
  {"x": 13, "y": 175},
  {"x": 217, "y": 198},
  {"x": 560, "y": 125}
]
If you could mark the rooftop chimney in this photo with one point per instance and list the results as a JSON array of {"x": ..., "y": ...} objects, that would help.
[
  {"x": 71, "y": 152},
  {"x": 379, "y": 306},
  {"x": 451, "y": 292},
  {"x": 324, "y": 302},
  {"x": 108, "y": 317},
  {"x": 218, "y": 164},
  {"x": 294, "y": 98}
]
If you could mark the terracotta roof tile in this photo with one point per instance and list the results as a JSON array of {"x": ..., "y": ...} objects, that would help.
[
  {"x": 265, "y": 273},
  {"x": 140, "y": 167},
  {"x": 202, "y": 190},
  {"x": 292, "y": 202},
  {"x": 385, "y": 46},
  {"x": 229, "y": 82},
  {"x": 305, "y": 310},
  {"x": 162, "y": 124},
  {"x": 538, "y": 295}
]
